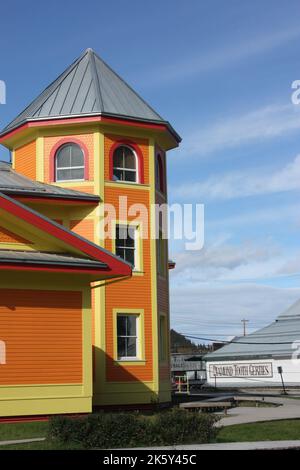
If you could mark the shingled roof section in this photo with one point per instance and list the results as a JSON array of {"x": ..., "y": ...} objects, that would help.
[
  {"x": 13, "y": 183},
  {"x": 88, "y": 87}
]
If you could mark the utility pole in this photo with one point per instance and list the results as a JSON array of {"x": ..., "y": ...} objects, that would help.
[{"x": 244, "y": 325}]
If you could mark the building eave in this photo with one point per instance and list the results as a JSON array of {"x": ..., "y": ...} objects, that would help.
[
  {"x": 116, "y": 266},
  {"x": 49, "y": 198},
  {"x": 101, "y": 118}
]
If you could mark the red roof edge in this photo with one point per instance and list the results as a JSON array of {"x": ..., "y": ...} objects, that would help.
[{"x": 116, "y": 266}]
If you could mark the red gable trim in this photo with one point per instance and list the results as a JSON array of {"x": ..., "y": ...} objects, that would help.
[
  {"x": 47, "y": 268},
  {"x": 80, "y": 120},
  {"x": 115, "y": 266}
]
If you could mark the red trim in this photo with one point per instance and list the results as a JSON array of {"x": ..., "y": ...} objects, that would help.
[
  {"x": 31, "y": 418},
  {"x": 55, "y": 200},
  {"x": 138, "y": 152},
  {"x": 117, "y": 267},
  {"x": 60, "y": 143},
  {"x": 80, "y": 120},
  {"x": 132, "y": 122},
  {"x": 47, "y": 268}
]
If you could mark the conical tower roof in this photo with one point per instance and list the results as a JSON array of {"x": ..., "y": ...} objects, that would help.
[{"x": 88, "y": 87}]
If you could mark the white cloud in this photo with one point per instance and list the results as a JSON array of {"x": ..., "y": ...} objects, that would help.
[
  {"x": 237, "y": 184},
  {"x": 220, "y": 58},
  {"x": 223, "y": 261},
  {"x": 223, "y": 256},
  {"x": 200, "y": 309},
  {"x": 258, "y": 125}
]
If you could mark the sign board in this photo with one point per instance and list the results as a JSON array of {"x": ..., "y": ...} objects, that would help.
[
  {"x": 179, "y": 362},
  {"x": 260, "y": 369}
]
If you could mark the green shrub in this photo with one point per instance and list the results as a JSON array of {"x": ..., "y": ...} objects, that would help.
[
  {"x": 102, "y": 430},
  {"x": 65, "y": 429},
  {"x": 179, "y": 426},
  {"x": 111, "y": 430}
]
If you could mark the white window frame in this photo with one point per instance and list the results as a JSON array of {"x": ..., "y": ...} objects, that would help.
[
  {"x": 136, "y": 171},
  {"x": 135, "y": 248},
  {"x": 137, "y": 336},
  {"x": 68, "y": 167}
]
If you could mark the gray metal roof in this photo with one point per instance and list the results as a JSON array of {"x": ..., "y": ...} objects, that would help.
[
  {"x": 88, "y": 87},
  {"x": 13, "y": 183},
  {"x": 273, "y": 340},
  {"x": 42, "y": 258},
  {"x": 292, "y": 312}
]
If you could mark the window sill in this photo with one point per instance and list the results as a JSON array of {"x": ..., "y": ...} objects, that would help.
[
  {"x": 130, "y": 362},
  {"x": 125, "y": 184},
  {"x": 137, "y": 273},
  {"x": 69, "y": 181}
]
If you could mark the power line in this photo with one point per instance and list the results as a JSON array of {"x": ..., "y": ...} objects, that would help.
[{"x": 217, "y": 322}]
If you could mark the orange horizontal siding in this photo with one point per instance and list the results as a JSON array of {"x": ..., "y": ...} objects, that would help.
[
  {"x": 84, "y": 228},
  {"x": 133, "y": 293},
  {"x": 143, "y": 144},
  {"x": 25, "y": 160},
  {"x": 83, "y": 189},
  {"x": 43, "y": 335}
]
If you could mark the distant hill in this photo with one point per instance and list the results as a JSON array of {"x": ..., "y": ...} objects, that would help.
[{"x": 181, "y": 344}]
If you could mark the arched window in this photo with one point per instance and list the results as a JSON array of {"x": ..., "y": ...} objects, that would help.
[
  {"x": 159, "y": 173},
  {"x": 69, "y": 162},
  {"x": 124, "y": 164}
]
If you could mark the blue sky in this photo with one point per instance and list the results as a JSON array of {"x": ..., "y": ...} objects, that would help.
[{"x": 221, "y": 72}]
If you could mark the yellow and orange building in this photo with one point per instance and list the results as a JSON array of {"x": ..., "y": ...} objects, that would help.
[{"x": 84, "y": 317}]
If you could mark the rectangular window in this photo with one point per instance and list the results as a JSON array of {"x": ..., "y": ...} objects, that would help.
[
  {"x": 162, "y": 338},
  {"x": 127, "y": 336},
  {"x": 126, "y": 243}
]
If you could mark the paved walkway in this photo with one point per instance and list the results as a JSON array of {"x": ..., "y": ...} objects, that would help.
[
  {"x": 22, "y": 441},
  {"x": 262, "y": 445},
  {"x": 288, "y": 408}
]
